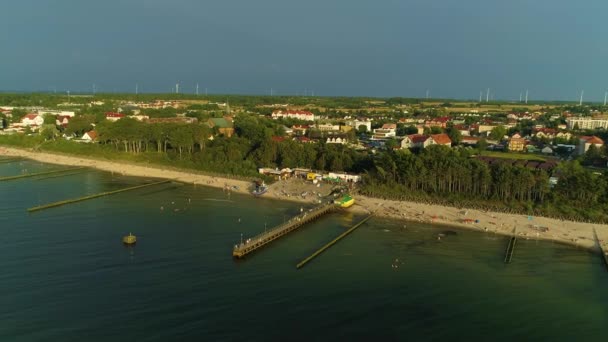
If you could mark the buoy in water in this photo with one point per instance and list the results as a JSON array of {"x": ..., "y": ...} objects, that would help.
[{"x": 129, "y": 239}]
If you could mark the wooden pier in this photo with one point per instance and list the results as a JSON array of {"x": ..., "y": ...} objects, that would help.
[
  {"x": 267, "y": 237},
  {"x": 510, "y": 249},
  {"x": 107, "y": 193},
  {"x": 2, "y": 179},
  {"x": 333, "y": 242}
]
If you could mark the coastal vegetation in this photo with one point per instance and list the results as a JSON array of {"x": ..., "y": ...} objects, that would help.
[
  {"x": 444, "y": 176},
  {"x": 437, "y": 174}
]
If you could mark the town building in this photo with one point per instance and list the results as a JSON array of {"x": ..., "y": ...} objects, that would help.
[
  {"x": 224, "y": 125},
  {"x": 293, "y": 114},
  {"x": 516, "y": 144},
  {"x": 300, "y": 130},
  {"x": 385, "y": 132},
  {"x": 32, "y": 120},
  {"x": 585, "y": 142},
  {"x": 336, "y": 140},
  {"x": 438, "y": 122},
  {"x": 441, "y": 139},
  {"x": 587, "y": 123},
  {"x": 358, "y": 123},
  {"x": 111, "y": 116},
  {"x": 178, "y": 120},
  {"x": 89, "y": 136}
]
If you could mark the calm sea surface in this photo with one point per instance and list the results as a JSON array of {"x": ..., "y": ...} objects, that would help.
[{"x": 65, "y": 275}]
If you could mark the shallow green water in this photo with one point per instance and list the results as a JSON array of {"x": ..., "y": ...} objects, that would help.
[{"x": 67, "y": 277}]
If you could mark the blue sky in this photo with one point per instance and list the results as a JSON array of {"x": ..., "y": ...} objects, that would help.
[{"x": 454, "y": 48}]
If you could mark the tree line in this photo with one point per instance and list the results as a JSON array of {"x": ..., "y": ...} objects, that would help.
[{"x": 440, "y": 174}]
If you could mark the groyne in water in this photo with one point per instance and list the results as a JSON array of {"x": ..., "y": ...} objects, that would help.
[
  {"x": 80, "y": 199},
  {"x": 27, "y": 175}
]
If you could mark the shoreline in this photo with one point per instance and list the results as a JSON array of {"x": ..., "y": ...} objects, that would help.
[{"x": 576, "y": 234}]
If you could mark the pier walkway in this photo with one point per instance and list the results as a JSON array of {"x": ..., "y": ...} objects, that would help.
[{"x": 267, "y": 237}]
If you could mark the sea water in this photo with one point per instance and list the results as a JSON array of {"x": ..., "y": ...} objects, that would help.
[{"x": 66, "y": 276}]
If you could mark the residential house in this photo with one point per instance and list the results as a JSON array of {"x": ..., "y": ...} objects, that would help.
[
  {"x": 441, "y": 139},
  {"x": 469, "y": 141},
  {"x": 224, "y": 125},
  {"x": 328, "y": 127},
  {"x": 358, "y": 123},
  {"x": 111, "y": 116},
  {"x": 416, "y": 141},
  {"x": 303, "y": 139},
  {"x": 293, "y": 114},
  {"x": 179, "y": 120},
  {"x": 62, "y": 120},
  {"x": 547, "y": 150},
  {"x": 585, "y": 142},
  {"x": 56, "y": 112},
  {"x": 484, "y": 129},
  {"x": 385, "y": 132},
  {"x": 300, "y": 130},
  {"x": 545, "y": 133},
  {"x": 336, "y": 140},
  {"x": 89, "y": 136},
  {"x": 437, "y": 122},
  {"x": 32, "y": 120},
  {"x": 516, "y": 144}
]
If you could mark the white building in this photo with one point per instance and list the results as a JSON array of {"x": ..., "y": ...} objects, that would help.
[
  {"x": 32, "y": 120},
  {"x": 293, "y": 114},
  {"x": 56, "y": 112},
  {"x": 586, "y": 123},
  {"x": 337, "y": 140},
  {"x": 385, "y": 132},
  {"x": 345, "y": 177},
  {"x": 585, "y": 142},
  {"x": 328, "y": 127},
  {"x": 357, "y": 123}
]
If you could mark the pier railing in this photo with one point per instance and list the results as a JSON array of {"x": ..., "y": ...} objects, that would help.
[{"x": 262, "y": 239}]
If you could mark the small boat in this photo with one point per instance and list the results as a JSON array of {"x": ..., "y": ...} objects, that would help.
[
  {"x": 260, "y": 189},
  {"x": 129, "y": 239},
  {"x": 345, "y": 201}
]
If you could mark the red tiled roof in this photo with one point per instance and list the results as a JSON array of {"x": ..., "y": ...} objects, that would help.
[
  {"x": 442, "y": 139},
  {"x": 30, "y": 116},
  {"x": 417, "y": 138},
  {"x": 441, "y": 119},
  {"x": 277, "y": 138},
  {"x": 297, "y": 112},
  {"x": 114, "y": 115},
  {"x": 92, "y": 134},
  {"x": 546, "y": 130},
  {"x": 389, "y": 126},
  {"x": 592, "y": 140}
]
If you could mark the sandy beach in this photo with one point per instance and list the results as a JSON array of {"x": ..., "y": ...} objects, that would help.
[{"x": 541, "y": 228}]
